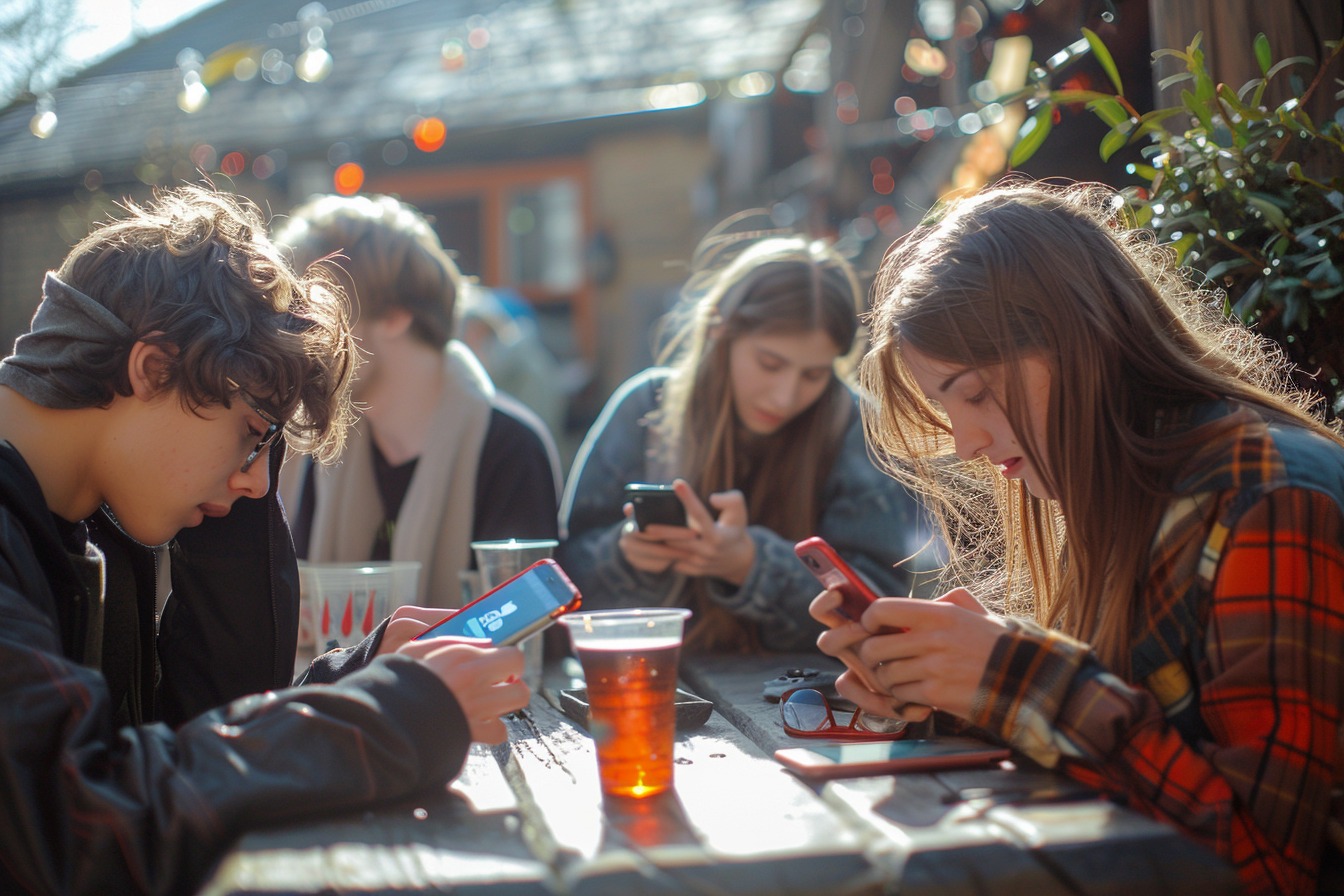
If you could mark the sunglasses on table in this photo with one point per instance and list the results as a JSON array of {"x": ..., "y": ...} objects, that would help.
[
  {"x": 274, "y": 426},
  {"x": 806, "y": 713}
]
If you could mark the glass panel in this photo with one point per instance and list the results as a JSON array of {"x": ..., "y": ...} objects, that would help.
[{"x": 545, "y": 234}]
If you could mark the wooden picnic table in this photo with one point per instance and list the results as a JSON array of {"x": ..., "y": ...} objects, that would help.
[{"x": 527, "y": 817}]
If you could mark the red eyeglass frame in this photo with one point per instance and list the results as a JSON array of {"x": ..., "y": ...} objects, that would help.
[{"x": 834, "y": 731}]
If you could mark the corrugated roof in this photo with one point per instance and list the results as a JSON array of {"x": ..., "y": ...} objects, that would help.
[{"x": 536, "y": 61}]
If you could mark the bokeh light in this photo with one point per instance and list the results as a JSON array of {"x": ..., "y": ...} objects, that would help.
[
  {"x": 752, "y": 84},
  {"x": 203, "y": 156},
  {"x": 233, "y": 164},
  {"x": 924, "y": 58},
  {"x": 905, "y": 105},
  {"x": 454, "y": 55},
  {"x": 676, "y": 96},
  {"x": 43, "y": 124},
  {"x": 883, "y": 183},
  {"x": 429, "y": 134},
  {"x": 349, "y": 178}
]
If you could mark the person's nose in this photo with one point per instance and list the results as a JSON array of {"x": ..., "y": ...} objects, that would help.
[
  {"x": 970, "y": 439},
  {"x": 256, "y": 482},
  {"x": 784, "y": 393}
]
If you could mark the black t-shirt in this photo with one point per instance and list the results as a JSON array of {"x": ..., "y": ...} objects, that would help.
[{"x": 515, "y": 489}]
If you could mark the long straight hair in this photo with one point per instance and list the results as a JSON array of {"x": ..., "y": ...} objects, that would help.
[
  {"x": 741, "y": 284},
  {"x": 1031, "y": 271}
]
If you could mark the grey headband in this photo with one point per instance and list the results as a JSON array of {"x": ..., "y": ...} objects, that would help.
[{"x": 66, "y": 326}]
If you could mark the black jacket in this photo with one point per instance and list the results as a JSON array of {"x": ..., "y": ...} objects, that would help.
[{"x": 98, "y": 792}]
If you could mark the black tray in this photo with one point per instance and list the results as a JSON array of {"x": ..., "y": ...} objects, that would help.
[{"x": 692, "y": 711}]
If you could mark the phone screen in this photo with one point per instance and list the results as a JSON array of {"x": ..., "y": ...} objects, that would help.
[{"x": 512, "y": 609}]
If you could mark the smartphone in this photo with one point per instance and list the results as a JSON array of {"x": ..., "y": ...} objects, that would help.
[
  {"x": 835, "y": 574},
  {"x": 524, "y": 605},
  {"x": 655, "y": 504},
  {"x": 887, "y": 757}
]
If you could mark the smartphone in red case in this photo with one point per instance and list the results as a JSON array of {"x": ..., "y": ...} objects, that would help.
[
  {"x": 836, "y": 575},
  {"x": 523, "y": 605}
]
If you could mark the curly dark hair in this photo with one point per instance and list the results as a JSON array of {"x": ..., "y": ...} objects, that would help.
[{"x": 194, "y": 272}]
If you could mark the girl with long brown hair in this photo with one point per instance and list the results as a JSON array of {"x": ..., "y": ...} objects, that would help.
[
  {"x": 764, "y": 441},
  {"x": 1169, "y": 512}
]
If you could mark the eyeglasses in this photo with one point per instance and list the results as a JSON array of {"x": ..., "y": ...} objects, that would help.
[
  {"x": 806, "y": 713},
  {"x": 273, "y": 429}
]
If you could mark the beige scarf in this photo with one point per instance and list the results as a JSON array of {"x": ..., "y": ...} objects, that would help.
[{"x": 435, "y": 522}]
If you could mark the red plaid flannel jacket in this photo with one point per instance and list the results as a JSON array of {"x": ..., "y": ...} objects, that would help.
[{"x": 1229, "y": 727}]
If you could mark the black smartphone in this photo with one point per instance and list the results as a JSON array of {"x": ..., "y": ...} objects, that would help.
[
  {"x": 655, "y": 504},
  {"x": 524, "y": 605}
]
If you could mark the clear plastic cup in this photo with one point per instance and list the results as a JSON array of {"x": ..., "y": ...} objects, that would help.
[
  {"x": 629, "y": 662},
  {"x": 342, "y": 603},
  {"x": 499, "y": 561}
]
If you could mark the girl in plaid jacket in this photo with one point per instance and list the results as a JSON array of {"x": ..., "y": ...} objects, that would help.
[{"x": 1135, "y": 473}]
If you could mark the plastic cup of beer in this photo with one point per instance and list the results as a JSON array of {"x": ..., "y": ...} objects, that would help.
[{"x": 629, "y": 662}]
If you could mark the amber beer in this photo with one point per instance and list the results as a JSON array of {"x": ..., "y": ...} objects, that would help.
[{"x": 632, "y": 689}]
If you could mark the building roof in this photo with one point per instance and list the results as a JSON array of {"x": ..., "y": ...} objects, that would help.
[{"x": 471, "y": 64}]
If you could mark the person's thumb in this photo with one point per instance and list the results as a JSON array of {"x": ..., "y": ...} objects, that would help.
[
  {"x": 732, "y": 507},
  {"x": 960, "y": 597}
]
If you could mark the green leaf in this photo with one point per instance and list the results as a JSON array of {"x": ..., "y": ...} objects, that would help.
[
  {"x": 1173, "y": 79},
  {"x": 1262, "y": 52},
  {"x": 1114, "y": 139},
  {"x": 1078, "y": 96},
  {"x": 1246, "y": 304},
  {"x": 1273, "y": 214},
  {"x": 1033, "y": 134},
  {"x": 1284, "y": 63},
  {"x": 1197, "y": 110},
  {"x": 1182, "y": 246},
  {"x": 1246, "y": 88},
  {"x": 1158, "y": 54},
  {"x": 1109, "y": 111},
  {"x": 1104, "y": 57},
  {"x": 1223, "y": 268}
]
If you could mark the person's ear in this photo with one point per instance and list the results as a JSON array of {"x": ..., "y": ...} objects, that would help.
[
  {"x": 395, "y": 323},
  {"x": 147, "y": 369}
]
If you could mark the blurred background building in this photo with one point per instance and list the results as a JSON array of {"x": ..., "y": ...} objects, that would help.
[{"x": 572, "y": 152}]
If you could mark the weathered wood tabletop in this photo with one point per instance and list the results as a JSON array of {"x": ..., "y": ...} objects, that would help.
[{"x": 527, "y": 817}]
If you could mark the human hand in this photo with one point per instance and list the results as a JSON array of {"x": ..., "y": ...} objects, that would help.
[
  {"x": 656, "y": 548},
  {"x": 407, "y": 623},
  {"x": 487, "y": 681},
  {"x": 842, "y": 640},
  {"x": 940, "y": 657},
  {"x": 722, "y": 547}
]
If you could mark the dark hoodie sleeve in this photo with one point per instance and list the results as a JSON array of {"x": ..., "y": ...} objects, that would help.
[{"x": 85, "y": 808}]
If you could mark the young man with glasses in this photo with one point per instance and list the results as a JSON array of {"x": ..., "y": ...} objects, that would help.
[{"x": 147, "y": 576}]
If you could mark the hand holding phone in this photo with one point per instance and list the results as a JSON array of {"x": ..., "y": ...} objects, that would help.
[
  {"x": 524, "y": 605},
  {"x": 835, "y": 575},
  {"x": 655, "y": 505}
]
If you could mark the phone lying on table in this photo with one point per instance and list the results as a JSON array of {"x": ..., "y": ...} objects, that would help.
[
  {"x": 522, "y": 606},
  {"x": 655, "y": 505},
  {"x": 887, "y": 757},
  {"x": 836, "y": 575}
]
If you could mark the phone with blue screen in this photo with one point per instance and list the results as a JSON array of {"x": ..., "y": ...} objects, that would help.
[{"x": 522, "y": 606}]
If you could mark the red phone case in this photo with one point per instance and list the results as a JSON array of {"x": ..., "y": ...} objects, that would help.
[
  {"x": 835, "y": 575},
  {"x": 554, "y": 614}
]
